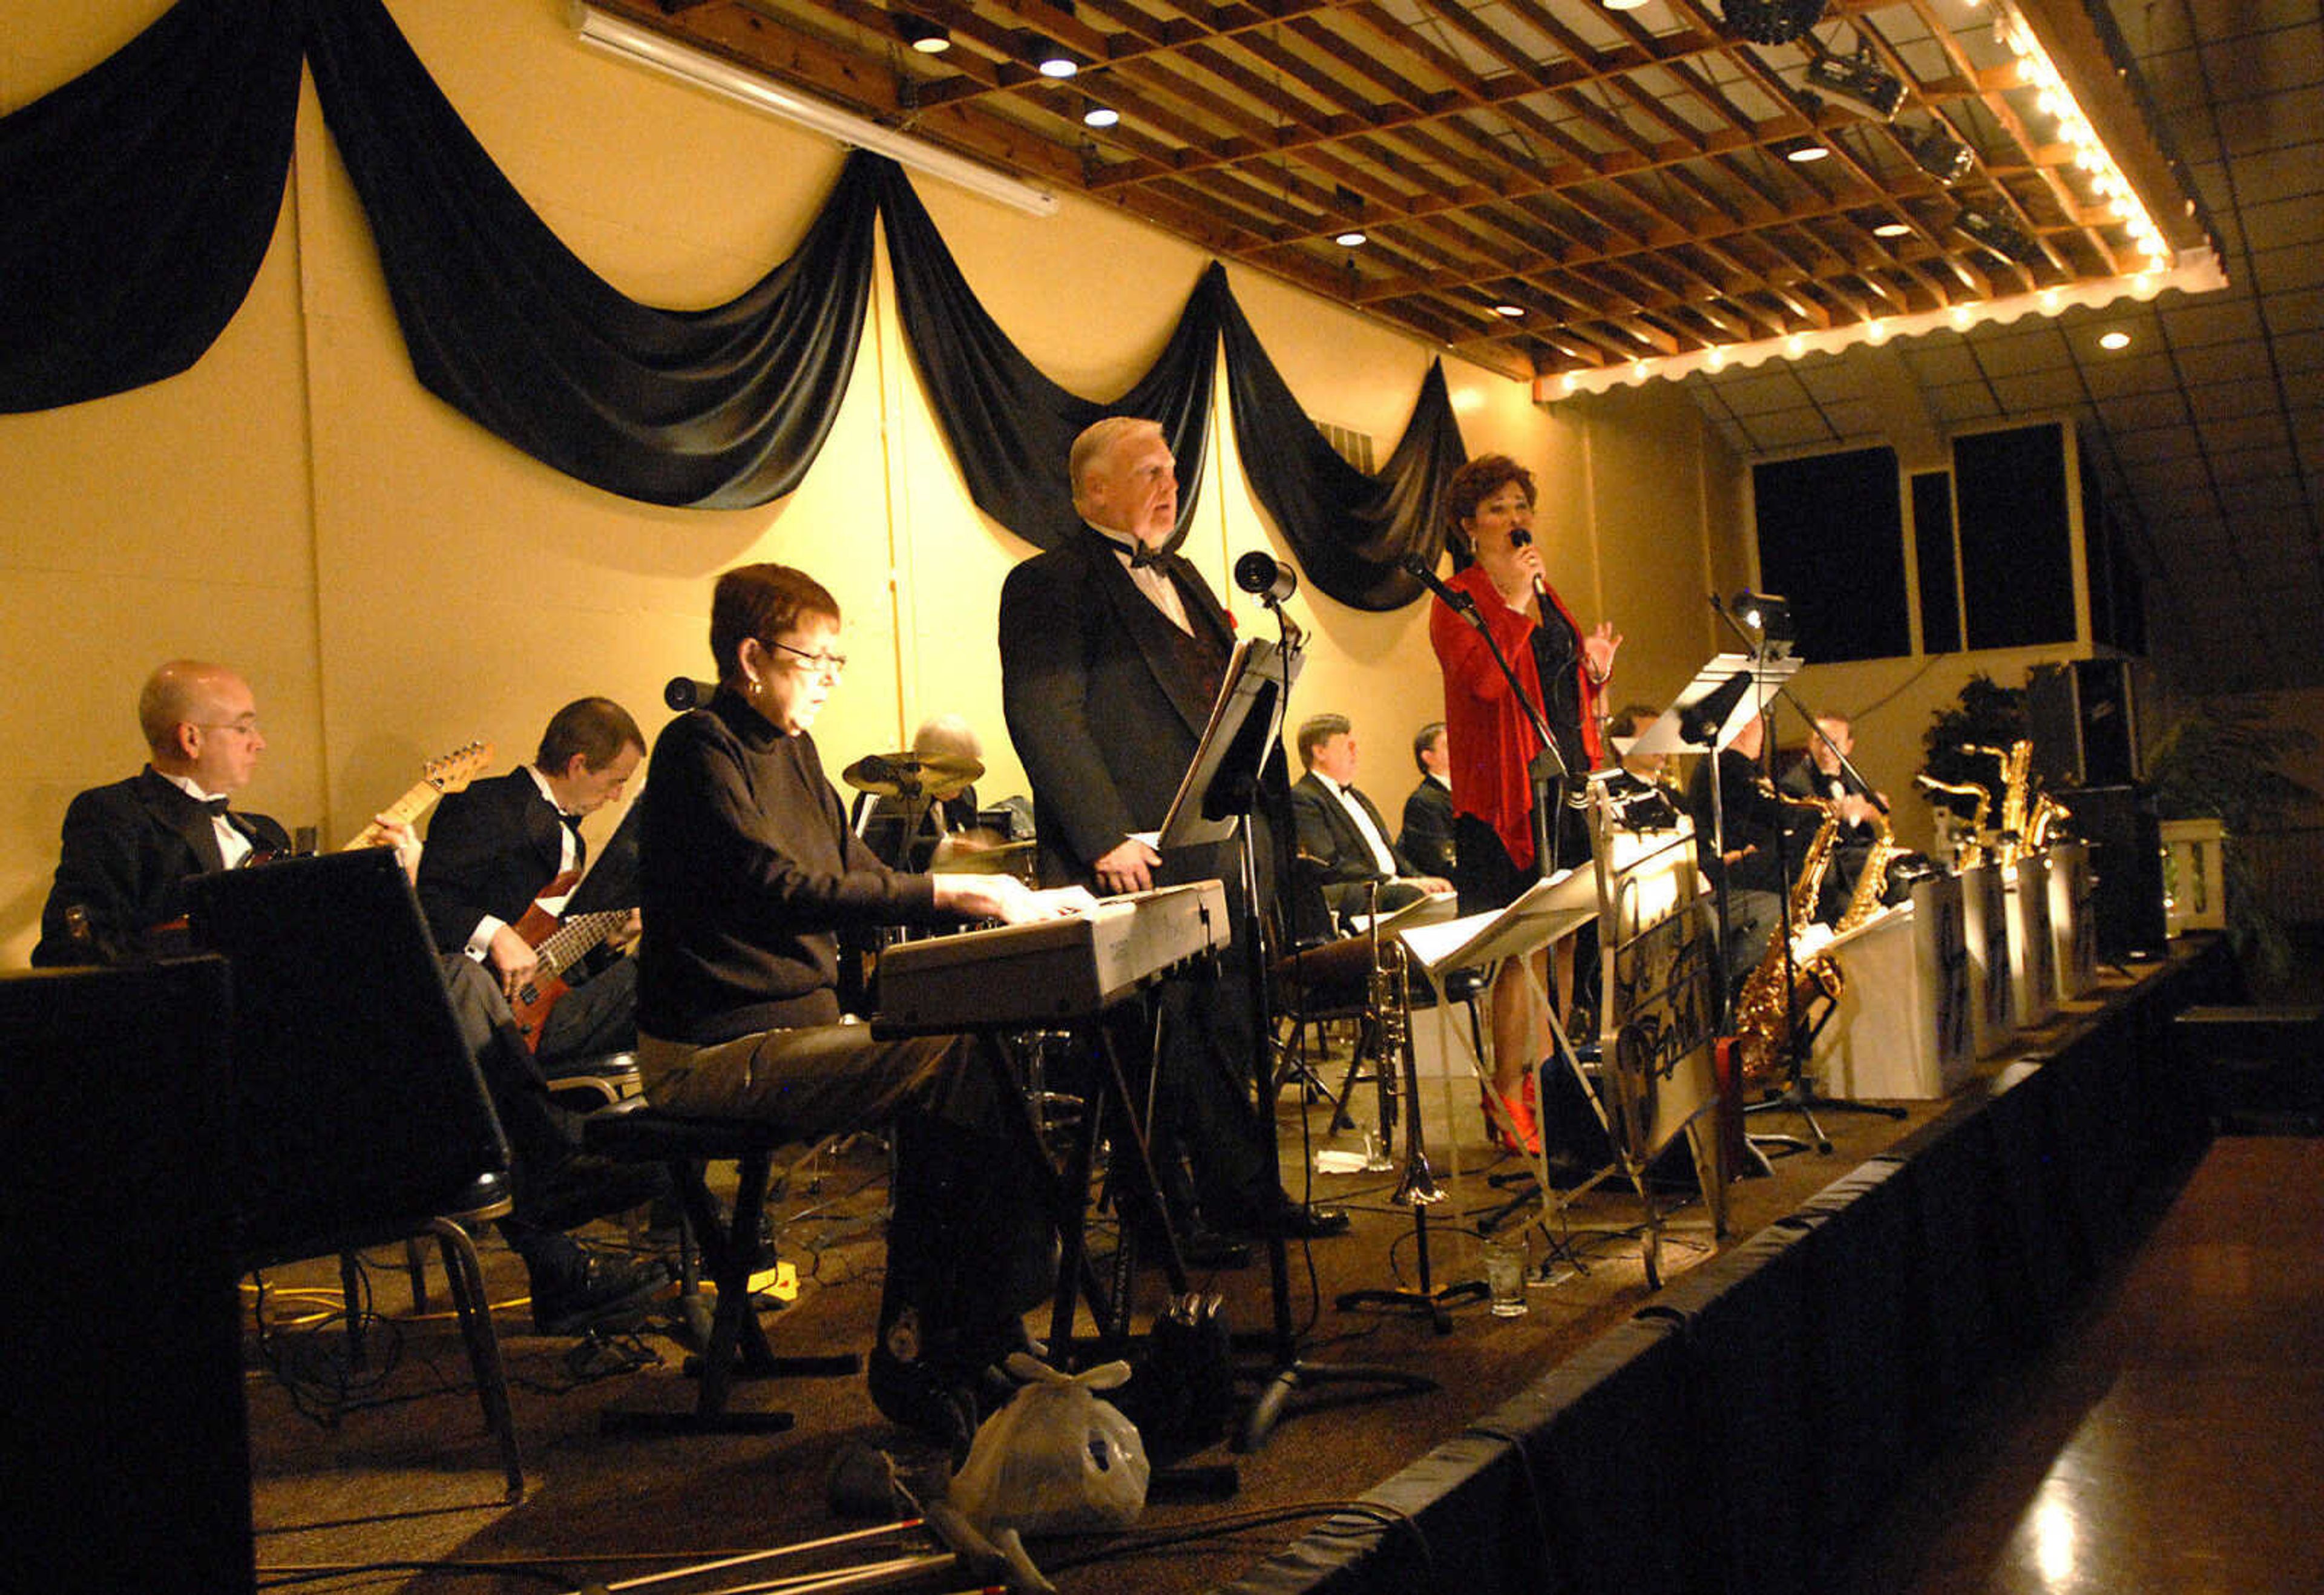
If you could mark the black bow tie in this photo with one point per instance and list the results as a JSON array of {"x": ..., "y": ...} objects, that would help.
[
  {"x": 1141, "y": 557},
  {"x": 212, "y": 806}
]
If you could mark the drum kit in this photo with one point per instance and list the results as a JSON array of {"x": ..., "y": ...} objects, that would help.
[{"x": 917, "y": 782}]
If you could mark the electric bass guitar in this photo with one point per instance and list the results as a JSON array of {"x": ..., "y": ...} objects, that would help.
[{"x": 559, "y": 945}]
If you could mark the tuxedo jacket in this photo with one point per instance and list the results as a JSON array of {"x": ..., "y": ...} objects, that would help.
[
  {"x": 492, "y": 849},
  {"x": 1329, "y": 836},
  {"x": 128, "y": 851},
  {"x": 1102, "y": 717},
  {"x": 1428, "y": 836}
]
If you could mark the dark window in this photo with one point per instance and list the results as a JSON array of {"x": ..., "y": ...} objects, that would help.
[
  {"x": 1831, "y": 537},
  {"x": 2017, "y": 574}
]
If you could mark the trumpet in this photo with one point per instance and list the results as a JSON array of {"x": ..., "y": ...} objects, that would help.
[{"x": 1389, "y": 996}]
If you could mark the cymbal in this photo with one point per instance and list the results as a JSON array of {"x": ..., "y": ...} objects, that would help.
[
  {"x": 981, "y": 853},
  {"x": 912, "y": 775}
]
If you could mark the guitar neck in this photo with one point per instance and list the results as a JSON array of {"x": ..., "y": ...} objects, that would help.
[
  {"x": 405, "y": 810},
  {"x": 576, "y": 938}
]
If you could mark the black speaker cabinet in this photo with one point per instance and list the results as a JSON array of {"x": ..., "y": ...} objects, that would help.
[
  {"x": 2083, "y": 722},
  {"x": 125, "y": 1445},
  {"x": 2125, "y": 843}
]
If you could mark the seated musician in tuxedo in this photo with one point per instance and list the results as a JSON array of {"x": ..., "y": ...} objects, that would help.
[
  {"x": 129, "y": 848},
  {"x": 749, "y": 871},
  {"x": 1343, "y": 838},
  {"x": 1426, "y": 838},
  {"x": 512, "y": 843},
  {"x": 1820, "y": 774},
  {"x": 1761, "y": 842}
]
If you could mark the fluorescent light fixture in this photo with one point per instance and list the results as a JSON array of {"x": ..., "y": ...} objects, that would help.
[{"x": 640, "y": 46}]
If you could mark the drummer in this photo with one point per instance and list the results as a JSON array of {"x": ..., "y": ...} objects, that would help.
[{"x": 909, "y": 803}]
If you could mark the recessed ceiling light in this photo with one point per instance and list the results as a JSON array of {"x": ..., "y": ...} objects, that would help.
[
  {"x": 1891, "y": 230},
  {"x": 1094, "y": 115},
  {"x": 1350, "y": 240},
  {"x": 927, "y": 37},
  {"x": 1621, "y": 4},
  {"x": 1808, "y": 150},
  {"x": 2114, "y": 340},
  {"x": 1051, "y": 60},
  {"x": 1514, "y": 311}
]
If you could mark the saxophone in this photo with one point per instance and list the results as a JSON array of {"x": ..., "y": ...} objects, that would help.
[
  {"x": 1969, "y": 855},
  {"x": 1865, "y": 901},
  {"x": 1765, "y": 1011}
]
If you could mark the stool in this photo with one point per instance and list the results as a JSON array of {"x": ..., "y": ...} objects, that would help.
[
  {"x": 589, "y": 1083},
  {"x": 738, "y": 1344}
]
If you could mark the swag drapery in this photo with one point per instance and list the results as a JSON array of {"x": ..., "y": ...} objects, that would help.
[{"x": 141, "y": 196}]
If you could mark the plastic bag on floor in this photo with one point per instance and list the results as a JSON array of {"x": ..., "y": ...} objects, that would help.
[{"x": 1056, "y": 1459}]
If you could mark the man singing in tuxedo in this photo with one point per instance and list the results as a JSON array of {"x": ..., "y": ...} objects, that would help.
[
  {"x": 1343, "y": 839},
  {"x": 514, "y": 841},
  {"x": 1112, "y": 648}
]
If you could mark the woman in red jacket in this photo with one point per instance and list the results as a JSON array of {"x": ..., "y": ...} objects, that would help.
[{"x": 1562, "y": 670}]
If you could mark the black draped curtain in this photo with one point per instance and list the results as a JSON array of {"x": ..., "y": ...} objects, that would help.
[
  {"x": 141, "y": 197},
  {"x": 1011, "y": 428},
  {"x": 137, "y": 200}
]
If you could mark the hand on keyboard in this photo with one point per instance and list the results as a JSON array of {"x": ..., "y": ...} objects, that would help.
[{"x": 1007, "y": 899}]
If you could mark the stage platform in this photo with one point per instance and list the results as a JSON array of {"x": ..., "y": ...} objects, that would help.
[{"x": 1727, "y": 1431}]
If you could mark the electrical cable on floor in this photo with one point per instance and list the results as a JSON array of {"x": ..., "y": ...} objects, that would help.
[
  {"x": 1201, "y": 1529},
  {"x": 538, "y": 1572}
]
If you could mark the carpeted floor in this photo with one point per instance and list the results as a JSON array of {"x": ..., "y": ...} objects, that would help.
[{"x": 405, "y": 1473}]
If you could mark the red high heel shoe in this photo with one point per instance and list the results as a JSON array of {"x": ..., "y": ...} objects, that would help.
[{"x": 1515, "y": 1126}]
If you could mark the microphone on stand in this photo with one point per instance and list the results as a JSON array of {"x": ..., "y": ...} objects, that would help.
[
  {"x": 1266, "y": 577},
  {"x": 1458, "y": 602}
]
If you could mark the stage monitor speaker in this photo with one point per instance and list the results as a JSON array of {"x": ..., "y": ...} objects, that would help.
[
  {"x": 2125, "y": 843},
  {"x": 126, "y": 1446},
  {"x": 2083, "y": 722}
]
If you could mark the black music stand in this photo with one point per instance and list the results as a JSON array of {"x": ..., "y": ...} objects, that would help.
[{"x": 1216, "y": 803}]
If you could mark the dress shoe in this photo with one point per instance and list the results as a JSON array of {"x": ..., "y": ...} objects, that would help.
[
  {"x": 1295, "y": 1221},
  {"x": 599, "y": 1287},
  {"x": 1202, "y": 1247},
  {"x": 938, "y": 1403}
]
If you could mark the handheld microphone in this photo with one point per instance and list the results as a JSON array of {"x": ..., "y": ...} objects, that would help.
[
  {"x": 1421, "y": 571},
  {"x": 1263, "y": 574},
  {"x": 683, "y": 693}
]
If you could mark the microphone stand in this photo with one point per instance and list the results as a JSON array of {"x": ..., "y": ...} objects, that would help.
[
  {"x": 1798, "y": 1095},
  {"x": 1291, "y": 1374}
]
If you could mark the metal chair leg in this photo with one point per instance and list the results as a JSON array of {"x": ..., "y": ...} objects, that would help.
[{"x": 467, "y": 1276}]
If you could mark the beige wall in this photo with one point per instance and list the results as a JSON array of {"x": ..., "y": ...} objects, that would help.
[{"x": 396, "y": 581}]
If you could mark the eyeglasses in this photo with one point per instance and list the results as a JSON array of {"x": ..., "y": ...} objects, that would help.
[
  {"x": 834, "y": 665},
  {"x": 239, "y": 727}
]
